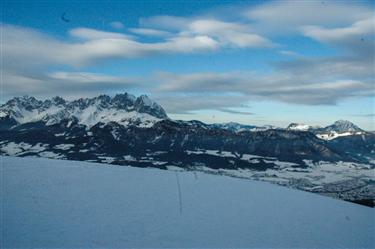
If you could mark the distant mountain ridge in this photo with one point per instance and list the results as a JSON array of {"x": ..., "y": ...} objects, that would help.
[{"x": 89, "y": 111}]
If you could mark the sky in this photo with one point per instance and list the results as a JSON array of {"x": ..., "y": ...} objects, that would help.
[{"x": 252, "y": 62}]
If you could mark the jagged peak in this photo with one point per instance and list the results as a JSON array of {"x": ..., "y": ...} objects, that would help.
[
  {"x": 58, "y": 100},
  {"x": 22, "y": 99},
  {"x": 124, "y": 96}
]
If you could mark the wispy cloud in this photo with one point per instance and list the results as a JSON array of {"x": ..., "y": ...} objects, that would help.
[
  {"x": 93, "y": 46},
  {"x": 230, "y": 33},
  {"x": 92, "y": 34},
  {"x": 177, "y": 103},
  {"x": 150, "y": 32},
  {"x": 355, "y": 31},
  {"x": 235, "y": 111}
]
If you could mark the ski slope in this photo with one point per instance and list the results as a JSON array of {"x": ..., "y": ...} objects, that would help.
[{"x": 55, "y": 203}]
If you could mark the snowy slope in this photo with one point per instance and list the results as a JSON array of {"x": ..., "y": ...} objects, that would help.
[{"x": 54, "y": 203}]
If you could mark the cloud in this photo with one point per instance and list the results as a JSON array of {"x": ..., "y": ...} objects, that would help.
[
  {"x": 340, "y": 67},
  {"x": 235, "y": 111},
  {"x": 150, "y": 32},
  {"x": 177, "y": 103},
  {"x": 233, "y": 34},
  {"x": 283, "y": 17},
  {"x": 117, "y": 25},
  {"x": 198, "y": 82},
  {"x": 229, "y": 34},
  {"x": 282, "y": 86},
  {"x": 174, "y": 23},
  {"x": 93, "y": 46},
  {"x": 356, "y": 31},
  {"x": 85, "y": 77}
]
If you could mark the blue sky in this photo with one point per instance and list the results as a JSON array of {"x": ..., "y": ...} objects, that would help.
[{"x": 254, "y": 62}]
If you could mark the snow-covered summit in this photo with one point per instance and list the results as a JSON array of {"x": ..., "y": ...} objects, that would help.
[
  {"x": 122, "y": 108},
  {"x": 343, "y": 126},
  {"x": 300, "y": 127},
  {"x": 340, "y": 128}
]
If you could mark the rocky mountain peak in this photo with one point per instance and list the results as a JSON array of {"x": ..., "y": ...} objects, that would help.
[{"x": 343, "y": 126}]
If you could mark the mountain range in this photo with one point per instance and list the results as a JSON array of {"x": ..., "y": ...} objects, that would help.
[
  {"x": 128, "y": 125},
  {"x": 337, "y": 160}
]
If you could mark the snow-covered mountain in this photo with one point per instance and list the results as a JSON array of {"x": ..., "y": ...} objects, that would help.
[
  {"x": 343, "y": 126},
  {"x": 340, "y": 128},
  {"x": 112, "y": 121},
  {"x": 123, "y": 109}
]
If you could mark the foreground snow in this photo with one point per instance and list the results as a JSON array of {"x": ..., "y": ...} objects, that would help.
[{"x": 52, "y": 203}]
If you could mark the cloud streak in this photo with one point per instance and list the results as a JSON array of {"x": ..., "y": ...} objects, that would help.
[
  {"x": 92, "y": 46},
  {"x": 284, "y": 87}
]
